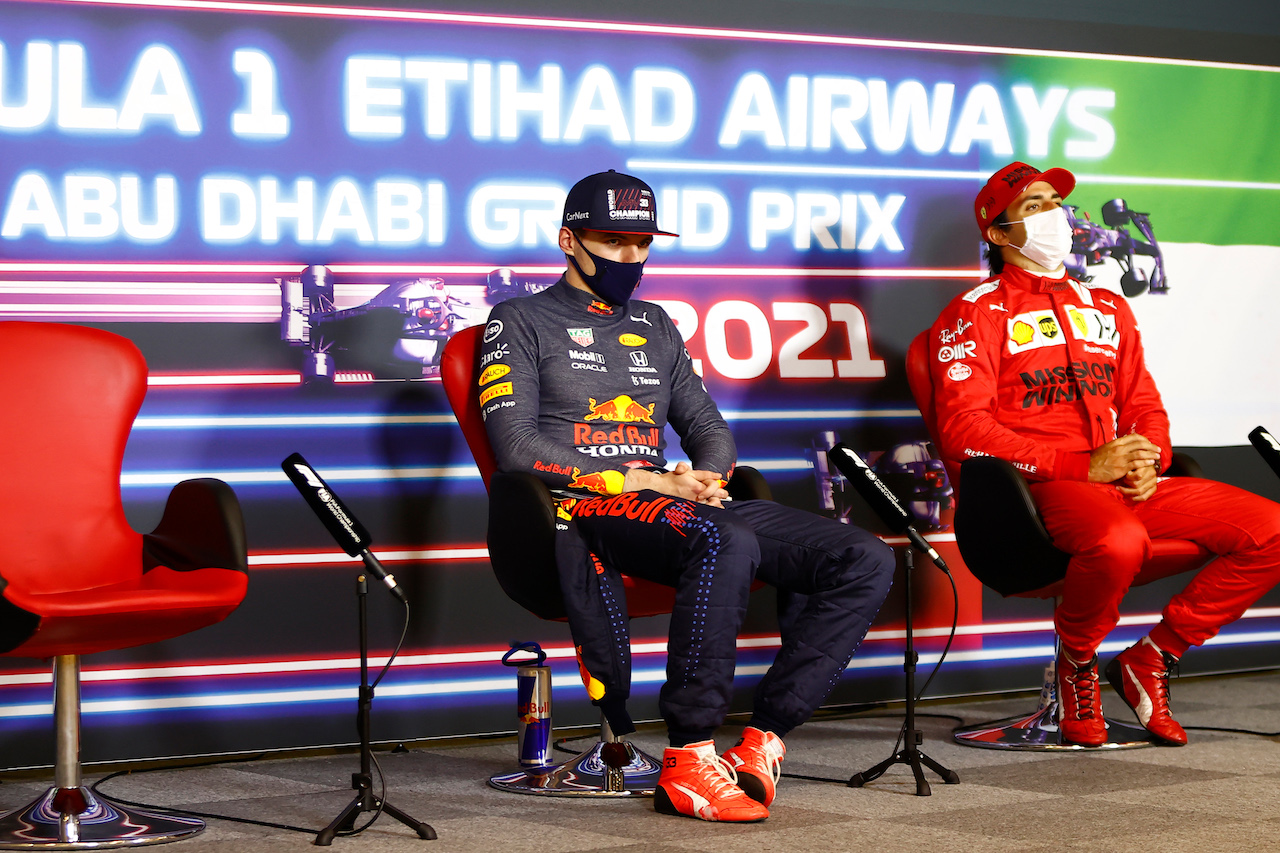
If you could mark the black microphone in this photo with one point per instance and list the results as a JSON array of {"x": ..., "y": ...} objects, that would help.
[
  {"x": 881, "y": 499},
  {"x": 344, "y": 527},
  {"x": 1266, "y": 444}
]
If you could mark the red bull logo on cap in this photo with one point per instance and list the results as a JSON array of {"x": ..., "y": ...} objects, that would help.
[{"x": 621, "y": 409}]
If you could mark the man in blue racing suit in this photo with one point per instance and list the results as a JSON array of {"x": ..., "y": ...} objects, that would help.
[{"x": 578, "y": 384}]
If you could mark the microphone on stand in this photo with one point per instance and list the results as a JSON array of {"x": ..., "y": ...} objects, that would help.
[
  {"x": 882, "y": 500},
  {"x": 1266, "y": 444},
  {"x": 344, "y": 527}
]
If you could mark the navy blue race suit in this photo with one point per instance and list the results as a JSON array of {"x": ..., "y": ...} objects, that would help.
[{"x": 576, "y": 391}]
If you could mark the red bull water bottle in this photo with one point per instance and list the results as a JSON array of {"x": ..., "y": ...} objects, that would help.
[{"x": 533, "y": 706}]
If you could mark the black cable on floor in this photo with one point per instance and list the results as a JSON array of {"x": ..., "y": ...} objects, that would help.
[
  {"x": 559, "y": 745},
  {"x": 187, "y": 812},
  {"x": 382, "y": 779}
]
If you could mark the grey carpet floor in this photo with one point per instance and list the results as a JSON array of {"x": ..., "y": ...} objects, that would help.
[{"x": 1219, "y": 793}]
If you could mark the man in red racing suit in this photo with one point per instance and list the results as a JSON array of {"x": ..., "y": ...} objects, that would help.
[{"x": 1039, "y": 369}]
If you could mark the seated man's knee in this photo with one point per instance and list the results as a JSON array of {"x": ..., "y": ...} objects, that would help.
[
  {"x": 730, "y": 543},
  {"x": 1263, "y": 525},
  {"x": 863, "y": 559},
  {"x": 738, "y": 536},
  {"x": 1123, "y": 546}
]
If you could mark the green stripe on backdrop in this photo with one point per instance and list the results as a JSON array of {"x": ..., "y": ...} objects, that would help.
[{"x": 1173, "y": 122}]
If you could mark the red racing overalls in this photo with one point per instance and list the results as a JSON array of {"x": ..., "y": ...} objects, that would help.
[{"x": 1042, "y": 371}]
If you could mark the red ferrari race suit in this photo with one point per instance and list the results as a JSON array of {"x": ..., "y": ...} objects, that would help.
[{"x": 1041, "y": 371}]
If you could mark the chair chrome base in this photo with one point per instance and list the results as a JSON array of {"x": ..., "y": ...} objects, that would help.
[
  {"x": 78, "y": 819},
  {"x": 1039, "y": 732},
  {"x": 594, "y": 773}
]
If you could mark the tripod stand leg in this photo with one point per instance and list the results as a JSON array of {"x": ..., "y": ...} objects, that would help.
[
  {"x": 344, "y": 821},
  {"x": 948, "y": 775},
  {"x": 857, "y": 780},
  {"x": 922, "y": 784},
  {"x": 425, "y": 832}
]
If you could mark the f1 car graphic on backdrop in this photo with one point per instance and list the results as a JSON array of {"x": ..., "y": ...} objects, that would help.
[
  {"x": 911, "y": 470},
  {"x": 397, "y": 334},
  {"x": 1092, "y": 245}
]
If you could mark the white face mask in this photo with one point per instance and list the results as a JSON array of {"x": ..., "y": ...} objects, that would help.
[{"x": 1048, "y": 238}]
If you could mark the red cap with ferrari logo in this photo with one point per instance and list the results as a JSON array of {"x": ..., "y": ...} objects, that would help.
[{"x": 1010, "y": 182}]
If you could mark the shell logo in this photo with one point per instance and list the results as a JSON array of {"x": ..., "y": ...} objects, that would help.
[
  {"x": 631, "y": 340},
  {"x": 1022, "y": 333}
]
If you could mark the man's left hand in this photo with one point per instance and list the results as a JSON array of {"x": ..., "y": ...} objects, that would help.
[
  {"x": 713, "y": 483},
  {"x": 1139, "y": 484}
]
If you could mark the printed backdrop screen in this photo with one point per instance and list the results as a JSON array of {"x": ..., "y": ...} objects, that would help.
[{"x": 291, "y": 211}]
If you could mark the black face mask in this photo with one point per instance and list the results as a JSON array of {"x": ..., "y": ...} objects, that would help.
[{"x": 614, "y": 281}]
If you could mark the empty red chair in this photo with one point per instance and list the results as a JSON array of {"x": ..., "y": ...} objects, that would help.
[{"x": 75, "y": 578}]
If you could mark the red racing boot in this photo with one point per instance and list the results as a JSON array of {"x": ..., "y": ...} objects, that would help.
[
  {"x": 1140, "y": 674},
  {"x": 695, "y": 782},
  {"x": 1080, "y": 708},
  {"x": 757, "y": 759}
]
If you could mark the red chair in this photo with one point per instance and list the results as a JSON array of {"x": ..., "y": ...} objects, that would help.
[
  {"x": 74, "y": 577},
  {"x": 521, "y": 538},
  {"x": 1005, "y": 546}
]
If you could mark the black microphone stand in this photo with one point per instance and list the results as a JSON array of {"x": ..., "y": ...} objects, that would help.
[
  {"x": 910, "y": 753},
  {"x": 362, "y": 782}
]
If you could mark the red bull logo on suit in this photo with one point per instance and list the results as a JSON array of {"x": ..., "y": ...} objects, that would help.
[{"x": 621, "y": 409}]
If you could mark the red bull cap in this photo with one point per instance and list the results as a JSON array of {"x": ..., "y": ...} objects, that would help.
[{"x": 613, "y": 203}]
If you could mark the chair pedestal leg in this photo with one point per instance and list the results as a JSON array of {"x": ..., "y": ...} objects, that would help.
[
  {"x": 69, "y": 816},
  {"x": 613, "y": 767},
  {"x": 1039, "y": 731}
]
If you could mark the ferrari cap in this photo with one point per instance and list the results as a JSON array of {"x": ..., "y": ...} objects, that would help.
[{"x": 1010, "y": 182}]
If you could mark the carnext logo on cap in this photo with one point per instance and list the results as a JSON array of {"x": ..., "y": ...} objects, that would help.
[{"x": 576, "y": 215}]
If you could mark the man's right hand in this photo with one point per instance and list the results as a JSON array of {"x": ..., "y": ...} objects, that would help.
[
  {"x": 1115, "y": 459},
  {"x": 682, "y": 482}
]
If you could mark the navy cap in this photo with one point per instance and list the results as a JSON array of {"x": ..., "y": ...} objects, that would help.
[{"x": 614, "y": 203}]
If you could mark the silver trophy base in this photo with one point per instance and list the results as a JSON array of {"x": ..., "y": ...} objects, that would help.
[
  {"x": 78, "y": 819},
  {"x": 589, "y": 774}
]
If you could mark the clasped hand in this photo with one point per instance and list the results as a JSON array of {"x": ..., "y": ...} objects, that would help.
[
  {"x": 683, "y": 481},
  {"x": 1130, "y": 463}
]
